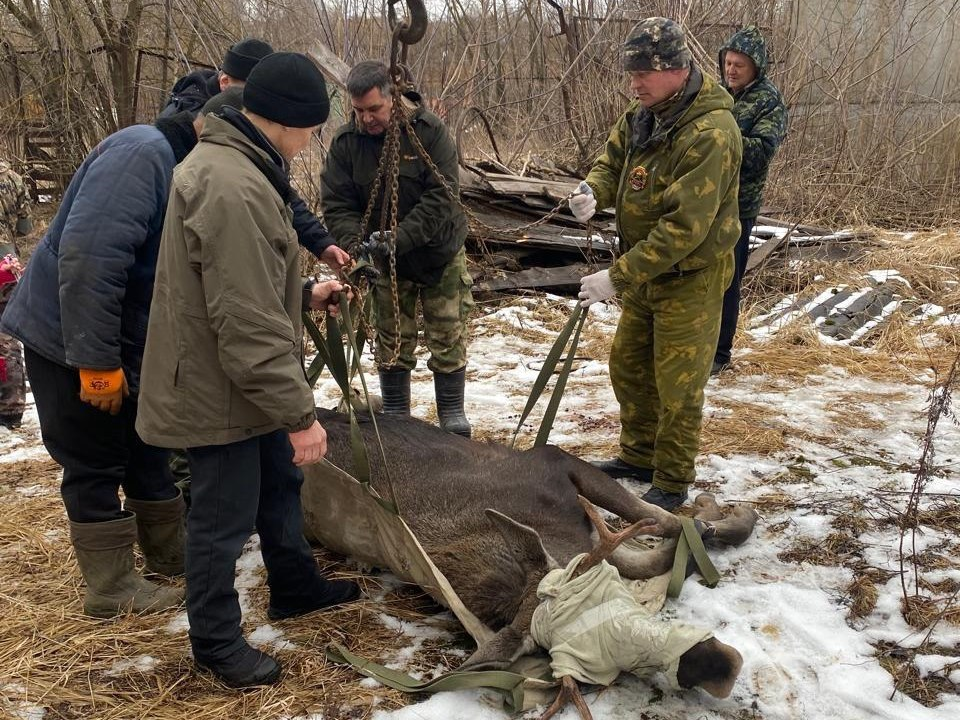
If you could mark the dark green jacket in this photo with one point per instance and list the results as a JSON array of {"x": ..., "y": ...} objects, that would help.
[
  {"x": 762, "y": 116},
  {"x": 675, "y": 194},
  {"x": 431, "y": 228},
  {"x": 222, "y": 361}
]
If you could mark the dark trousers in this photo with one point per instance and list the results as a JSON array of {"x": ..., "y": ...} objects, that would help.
[
  {"x": 99, "y": 452},
  {"x": 232, "y": 488},
  {"x": 731, "y": 298}
]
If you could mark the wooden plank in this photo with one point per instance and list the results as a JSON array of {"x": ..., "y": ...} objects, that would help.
[
  {"x": 512, "y": 184},
  {"x": 333, "y": 67},
  {"x": 537, "y": 277},
  {"x": 759, "y": 256},
  {"x": 549, "y": 235},
  {"x": 803, "y": 229}
]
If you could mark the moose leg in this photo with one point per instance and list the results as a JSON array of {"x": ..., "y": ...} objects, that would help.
[
  {"x": 706, "y": 507},
  {"x": 569, "y": 692},
  {"x": 737, "y": 526},
  {"x": 643, "y": 564},
  {"x": 602, "y": 490}
]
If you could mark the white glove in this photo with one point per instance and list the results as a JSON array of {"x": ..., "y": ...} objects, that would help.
[
  {"x": 596, "y": 288},
  {"x": 583, "y": 204}
]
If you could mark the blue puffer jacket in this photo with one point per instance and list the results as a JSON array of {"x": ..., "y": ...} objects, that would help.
[{"x": 85, "y": 296}]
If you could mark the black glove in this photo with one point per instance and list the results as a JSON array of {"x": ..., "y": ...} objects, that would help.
[{"x": 377, "y": 247}]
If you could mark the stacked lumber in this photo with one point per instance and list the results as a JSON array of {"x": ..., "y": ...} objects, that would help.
[{"x": 557, "y": 253}]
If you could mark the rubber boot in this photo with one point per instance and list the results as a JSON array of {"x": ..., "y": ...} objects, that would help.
[
  {"x": 449, "y": 388},
  {"x": 395, "y": 388},
  {"x": 161, "y": 533},
  {"x": 105, "y": 555}
]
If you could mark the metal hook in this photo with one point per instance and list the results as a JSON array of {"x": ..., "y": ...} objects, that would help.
[{"x": 406, "y": 32}]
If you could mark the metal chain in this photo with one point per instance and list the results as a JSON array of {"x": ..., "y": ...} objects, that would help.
[
  {"x": 390, "y": 171},
  {"x": 477, "y": 222},
  {"x": 396, "y": 112}
]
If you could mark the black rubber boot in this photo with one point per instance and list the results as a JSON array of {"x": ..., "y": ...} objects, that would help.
[
  {"x": 161, "y": 532},
  {"x": 248, "y": 667},
  {"x": 449, "y": 389},
  {"x": 618, "y": 468},
  {"x": 395, "y": 389},
  {"x": 667, "y": 500}
]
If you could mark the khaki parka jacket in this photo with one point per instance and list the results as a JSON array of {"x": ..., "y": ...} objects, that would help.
[
  {"x": 675, "y": 199},
  {"x": 223, "y": 354}
]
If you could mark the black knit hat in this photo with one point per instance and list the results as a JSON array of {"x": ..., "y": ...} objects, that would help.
[
  {"x": 241, "y": 58},
  {"x": 231, "y": 97},
  {"x": 288, "y": 89}
]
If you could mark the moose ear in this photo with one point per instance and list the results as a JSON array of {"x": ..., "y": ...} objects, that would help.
[{"x": 524, "y": 544}]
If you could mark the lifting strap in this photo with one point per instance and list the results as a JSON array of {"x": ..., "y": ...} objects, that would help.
[
  {"x": 690, "y": 543},
  {"x": 508, "y": 683},
  {"x": 573, "y": 326}
]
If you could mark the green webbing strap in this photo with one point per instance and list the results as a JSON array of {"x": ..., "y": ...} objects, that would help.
[
  {"x": 546, "y": 425},
  {"x": 361, "y": 462},
  {"x": 334, "y": 356},
  {"x": 689, "y": 543},
  {"x": 549, "y": 365},
  {"x": 322, "y": 358},
  {"x": 508, "y": 683}
]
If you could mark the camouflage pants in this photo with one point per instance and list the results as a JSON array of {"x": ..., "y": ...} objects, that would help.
[
  {"x": 13, "y": 384},
  {"x": 446, "y": 307},
  {"x": 659, "y": 365}
]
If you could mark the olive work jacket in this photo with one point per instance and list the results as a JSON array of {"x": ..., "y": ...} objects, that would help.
[
  {"x": 431, "y": 227},
  {"x": 223, "y": 357}
]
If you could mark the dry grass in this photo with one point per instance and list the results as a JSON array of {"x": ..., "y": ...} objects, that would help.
[
  {"x": 55, "y": 658},
  {"x": 836, "y": 549},
  {"x": 899, "y": 662},
  {"x": 742, "y": 428},
  {"x": 863, "y": 596},
  {"x": 901, "y": 348},
  {"x": 919, "y": 611}
]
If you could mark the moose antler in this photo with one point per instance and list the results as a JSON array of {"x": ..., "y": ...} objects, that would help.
[
  {"x": 609, "y": 541},
  {"x": 569, "y": 692}
]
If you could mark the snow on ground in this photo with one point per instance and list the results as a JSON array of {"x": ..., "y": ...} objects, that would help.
[{"x": 803, "y": 658}]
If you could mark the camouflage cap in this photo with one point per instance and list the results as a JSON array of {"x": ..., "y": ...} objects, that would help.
[{"x": 656, "y": 43}]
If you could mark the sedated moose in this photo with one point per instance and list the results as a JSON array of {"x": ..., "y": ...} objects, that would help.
[{"x": 495, "y": 521}]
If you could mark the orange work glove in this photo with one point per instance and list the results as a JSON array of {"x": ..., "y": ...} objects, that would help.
[{"x": 104, "y": 389}]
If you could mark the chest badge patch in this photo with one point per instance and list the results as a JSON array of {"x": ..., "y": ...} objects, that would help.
[{"x": 638, "y": 178}]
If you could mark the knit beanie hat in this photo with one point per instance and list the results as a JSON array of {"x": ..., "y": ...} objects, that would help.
[
  {"x": 231, "y": 97},
  {"x": 288, "y": 89},
  {"x": 240, "y": 59},
  {"x": 656, "y": 43}
]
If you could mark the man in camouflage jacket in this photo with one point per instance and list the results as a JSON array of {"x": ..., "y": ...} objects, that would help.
[
  {"x": 761, "y": 115},
  {"x": 14, "y": 220},
  {"x": 670, "y": 169}
]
